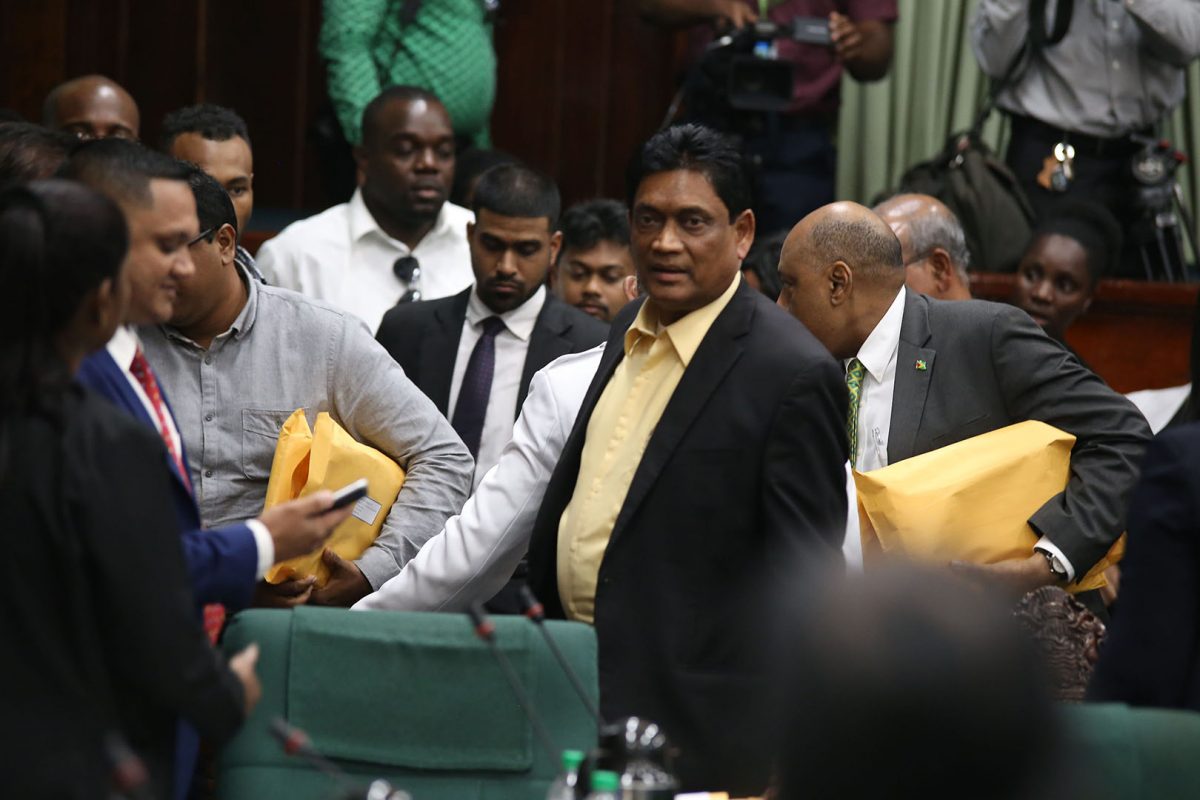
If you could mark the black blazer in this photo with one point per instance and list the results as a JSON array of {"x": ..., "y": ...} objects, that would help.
[
  {"x": 1152, "y": 656},
  {"x": 95, "y": 608},
  {"x": 743, "y": 474},
  {"x": 423, "y": 338},
  {"x": 988, "y": 365}
]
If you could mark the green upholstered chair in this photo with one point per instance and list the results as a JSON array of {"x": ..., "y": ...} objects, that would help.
[
  {"x": 412, "y": 698},
  {"x": 1126, "y": 753}
]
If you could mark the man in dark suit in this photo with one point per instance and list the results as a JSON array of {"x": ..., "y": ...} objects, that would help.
[
  {"x": 1152, "y": 656},
  {"x": 925, "y": 373},
  {"x": 475, "y": 353},
  {"x": 707, "y": 460}
]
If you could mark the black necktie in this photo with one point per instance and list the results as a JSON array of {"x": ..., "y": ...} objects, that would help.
[{"x": 477, "y": 387}]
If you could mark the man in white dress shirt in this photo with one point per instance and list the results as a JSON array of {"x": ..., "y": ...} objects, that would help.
[
  {"x": 398, "y": 239},
  {"x": 924, "y": 373}
]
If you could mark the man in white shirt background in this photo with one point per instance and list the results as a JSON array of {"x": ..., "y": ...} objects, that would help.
[
  {"x": 475, "y": 354},
  {"x": 398, "y": 238}
]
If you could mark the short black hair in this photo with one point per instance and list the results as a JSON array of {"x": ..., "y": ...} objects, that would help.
[
  {"x": 406, "y": 94},
  {"x": 217, "y": 123},
  {"x": 213, "y": 206},
  {"x": 514, "y": 190},
  {"x": 584, "y": 225},
  {"x": 31, "y": 152},
  {"x": 763, "y": 261},
  {"x": 699, "y": 148},
  {"x": 469, "y": 165},
  {"x": 121, "y": 169},
  {"x": 1091, "y": 225}
]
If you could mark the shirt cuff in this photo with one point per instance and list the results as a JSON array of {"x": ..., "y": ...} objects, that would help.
[
  {"x": 1048, "y": 546},
  {"x": 266, "y": 547}
]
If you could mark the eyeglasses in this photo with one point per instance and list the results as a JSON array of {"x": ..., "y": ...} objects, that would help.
[
  {"x": 205, "y": 235},
  {"x": 408, "y": 270}
]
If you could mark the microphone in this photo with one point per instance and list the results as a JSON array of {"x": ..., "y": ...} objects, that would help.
[
  {"x": 295, "y": 742},
  {"x": 536, "y": 613},
  {"x": 486, "y": 631},
  {"x": 129, "y": 776}
]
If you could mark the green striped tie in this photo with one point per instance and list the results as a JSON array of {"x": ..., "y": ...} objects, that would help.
[{"x": 854, "y": 379}]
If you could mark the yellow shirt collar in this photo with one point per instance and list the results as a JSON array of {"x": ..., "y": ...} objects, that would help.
[{"x": 686, "y": 333}]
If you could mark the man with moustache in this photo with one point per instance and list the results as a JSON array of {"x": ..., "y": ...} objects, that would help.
[
  {"x": 474, "y": 354},
  {"x": 595, "y": 260},
  {"x": 398, "y": 239}
]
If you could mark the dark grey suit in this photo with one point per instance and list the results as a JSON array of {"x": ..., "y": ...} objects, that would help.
[{"x": 989, "y": 365}]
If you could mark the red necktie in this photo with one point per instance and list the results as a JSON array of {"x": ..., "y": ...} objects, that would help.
[{"x": 214, "y": 613}]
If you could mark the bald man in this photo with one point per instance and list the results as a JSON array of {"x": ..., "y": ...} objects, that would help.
[
  {"x": 930, "y": 373},
  {"x": 92, "y": 107},
  {"x": 933, "y": 245}
]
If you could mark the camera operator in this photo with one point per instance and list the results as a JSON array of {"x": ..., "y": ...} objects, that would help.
[
  {"x": 1101, "y": 76},
  {"x": 793, "y": 147}
]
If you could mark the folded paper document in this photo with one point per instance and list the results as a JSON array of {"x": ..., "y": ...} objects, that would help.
[
  {"x": 326, "y": 457},
  {"x": 970, "y": 501}
]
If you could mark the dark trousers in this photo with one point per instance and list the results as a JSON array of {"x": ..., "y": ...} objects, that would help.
[
  {"x": 1102, "y": 175},
  {"x": 795, "y": 163}
]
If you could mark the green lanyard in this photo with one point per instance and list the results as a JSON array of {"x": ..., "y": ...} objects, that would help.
[{"x": 764, "y": 6}]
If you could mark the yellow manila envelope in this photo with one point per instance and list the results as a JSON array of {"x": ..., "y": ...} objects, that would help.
[
  {"x": 326, "y": 457},
  {"x": 970, "y": 501}
]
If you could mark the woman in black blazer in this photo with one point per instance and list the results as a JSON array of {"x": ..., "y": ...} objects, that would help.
[{"x": 97, "y": 633}]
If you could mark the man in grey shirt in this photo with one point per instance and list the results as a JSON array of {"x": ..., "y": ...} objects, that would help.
[
  {"x": 238, "y": 358},
  {"x": 1116, "y": 73}
]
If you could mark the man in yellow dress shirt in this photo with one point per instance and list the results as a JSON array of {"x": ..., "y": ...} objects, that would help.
[{"x": 706, "y": 464}]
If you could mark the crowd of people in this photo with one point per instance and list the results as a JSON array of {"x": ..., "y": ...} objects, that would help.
[{"x": 650, "y": 410}]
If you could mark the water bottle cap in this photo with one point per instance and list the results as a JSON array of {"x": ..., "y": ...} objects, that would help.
[
  {"x": 571, "y": 759},
  {"x": 605, "y": 781}
]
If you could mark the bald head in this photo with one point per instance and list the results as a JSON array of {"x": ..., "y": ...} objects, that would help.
[
  {"x": 933, "y": 243},
  {"x": 92, "y": 107},
  {"x": 840, "y": 268}
]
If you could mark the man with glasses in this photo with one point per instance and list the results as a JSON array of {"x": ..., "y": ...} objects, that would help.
[
  {"x": 933, "y": 245},
  {"x": 237, "y": 358},
  {"x": 398, "y": 239}
]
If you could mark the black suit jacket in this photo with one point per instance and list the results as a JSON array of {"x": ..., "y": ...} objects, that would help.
[
  {"x": 989, "y": 365},
  {"x": 423, "y": 338},
  {"x": 1152, "y": 656},
  {"x": 743, "y": 474},
  {"x": 95, "y": 607}
]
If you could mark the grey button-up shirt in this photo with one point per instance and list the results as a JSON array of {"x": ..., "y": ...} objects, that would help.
[
  {"x": 286, "y": 351},
  {"x": 1119, "y": 69}
]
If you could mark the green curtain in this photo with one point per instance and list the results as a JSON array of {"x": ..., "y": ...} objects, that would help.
[{"x": 935, "y": 88}]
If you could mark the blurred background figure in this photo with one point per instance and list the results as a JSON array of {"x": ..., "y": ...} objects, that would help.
[
  {"x": 907, "y": 685},
  {"x": 92, "y": 107},
  {"x": 760, "y": 267},
  {"x": 30, "y": 152},
  {"x": 1071, "y": 250},
  {"x": 933, "y": 244},
  {"x": 595, "y": 259},
  {"x": 469, "y": 166}
]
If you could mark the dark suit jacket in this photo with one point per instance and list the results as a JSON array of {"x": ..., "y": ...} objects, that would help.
[
  {"x": 1152, "y": 656},
  {"x": 96, "y": 613},
  {"x": 423, "y": 338},
  {"x": 743, "y": 475},
  {"x": 222, "y": 562},
  {"x": 989, "y": 365}
]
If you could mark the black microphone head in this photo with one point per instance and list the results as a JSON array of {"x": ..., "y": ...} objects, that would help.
[
  {"x": 483, "y": 626},
  {"x": 533, "y": 608}
]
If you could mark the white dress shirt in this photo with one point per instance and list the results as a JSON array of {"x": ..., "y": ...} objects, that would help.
[
  {"x": 512, "y": 344},
  {"x": 123, "y": 346},
  {"x": 343, "y": 257},
  {"x": 477, "y": 552},
  {"x": 878, "y": 355}
]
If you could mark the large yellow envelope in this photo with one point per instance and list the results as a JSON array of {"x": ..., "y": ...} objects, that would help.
[
  {"x": 327, "y": 457},
  {"x": 970, "y": 501}
]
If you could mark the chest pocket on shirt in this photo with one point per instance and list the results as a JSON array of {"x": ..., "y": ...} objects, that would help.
[{"x": 260, "y": 434}]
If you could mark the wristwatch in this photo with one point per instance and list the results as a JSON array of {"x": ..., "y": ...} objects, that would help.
[{"x": 1057, "y": 568}]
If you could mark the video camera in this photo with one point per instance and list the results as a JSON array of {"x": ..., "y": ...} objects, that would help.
[{"x": 741, "y": 70}]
